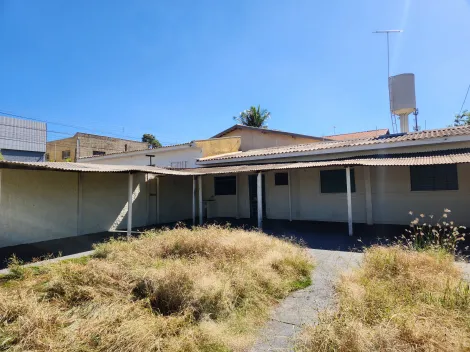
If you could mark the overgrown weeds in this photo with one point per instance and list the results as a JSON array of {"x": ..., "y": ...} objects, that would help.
[
  {"x": 398, "y": 300},
  {"x": 205, "y": 289}
]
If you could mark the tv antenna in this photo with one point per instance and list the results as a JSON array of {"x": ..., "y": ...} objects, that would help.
[{"x": 387, "y": 32}]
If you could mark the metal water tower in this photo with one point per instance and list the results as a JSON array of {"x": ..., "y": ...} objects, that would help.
[{"x": 403, "y": 98}]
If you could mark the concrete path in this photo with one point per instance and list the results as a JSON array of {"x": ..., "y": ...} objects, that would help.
[{"x": 302, "y": 307}]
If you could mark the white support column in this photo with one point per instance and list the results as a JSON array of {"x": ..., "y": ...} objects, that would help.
[
  {"x": 158, "y": 200},
  {"x": 130, "y": 190},
  {"x": 368, "y": 189},
  {"x": 194, "y": 200},
  {"x": 348, "y": 190},
  {"x": 79, "y": 203},
  {"x": 259, "y": 196},
  {"x": 201, "y": 208},
  {"x": 237, "y": 205},
  {"x": 289, "y": 183}
]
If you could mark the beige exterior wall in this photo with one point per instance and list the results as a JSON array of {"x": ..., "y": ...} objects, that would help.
[
  {"x": 216, "y": 146},
  {"x": 251, "y": 139},
  {"x": 44, "y": 205},
  {"x": 87, "y": 144},
  {"x": 391, "y": 194},
  {"x": 54, "y": 149}
]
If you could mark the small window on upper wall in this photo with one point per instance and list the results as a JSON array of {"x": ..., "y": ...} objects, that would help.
[
  {"x": 334, "y": 181},
  {"x": 225, "y": 186},
  {"x": 98, "y": 153},
  {"x": 65, "y": 154},
  {"x": 281, "y": 179},
  {"x": 434, "y": 178}
]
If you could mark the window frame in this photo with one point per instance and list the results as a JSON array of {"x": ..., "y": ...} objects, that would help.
[
  {"x": 451, "y": 181},
  {"x": 98, "y": 153},
  {"x": 66, "y": 156},
  {"x": 337, "y": 171},
  {"x": 219, "y": 184},
  {"x": 283, "y": 181}
]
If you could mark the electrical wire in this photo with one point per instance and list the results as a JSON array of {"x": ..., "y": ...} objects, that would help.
[
  {"x": 74, "y": 126},
  {"x": 464, "y": 100}
]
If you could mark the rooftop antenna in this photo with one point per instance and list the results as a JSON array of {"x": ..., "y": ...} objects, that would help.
[{"x": 388, "y": 31}]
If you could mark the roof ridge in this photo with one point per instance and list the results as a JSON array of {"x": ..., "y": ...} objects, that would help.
[{"x": 342, "y": 134}]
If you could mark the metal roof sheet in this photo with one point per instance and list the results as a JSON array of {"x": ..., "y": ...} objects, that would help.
[
  {"x": 86, "y": 167},
  {"x": 327, "y": 145},
  {"x": 441, "y": 158},
  {"x": 458, "y": 156}
]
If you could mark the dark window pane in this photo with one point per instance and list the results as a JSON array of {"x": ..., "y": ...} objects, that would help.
[
  {"x": 434, "y": 178},
  {"x": 334, "y": 181},
  {"x": 225, "y": 186},
  {"x": 281, "y": 179},
  {"x": 98, "y": 153},
  {"x": 65, "y": 154}
]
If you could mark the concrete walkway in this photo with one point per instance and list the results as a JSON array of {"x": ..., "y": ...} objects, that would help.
[{"x": 302, "y": 307}]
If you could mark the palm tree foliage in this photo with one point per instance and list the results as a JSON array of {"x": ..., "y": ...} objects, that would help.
[{"x": 254, "y": 117}]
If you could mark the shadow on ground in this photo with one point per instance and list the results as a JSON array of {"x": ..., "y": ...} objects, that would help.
[{"x": 315, "y": 234}]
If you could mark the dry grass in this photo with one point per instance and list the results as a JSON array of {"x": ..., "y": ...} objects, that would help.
[
  {"x": 206, "y": 289},
  {"x": 398, "y": 300}
]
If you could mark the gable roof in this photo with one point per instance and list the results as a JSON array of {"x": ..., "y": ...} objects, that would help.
[
  {"x": 392, "y": 140},
  {"x": 262, "y": 130},
  {"x": 358, "y": 135}
]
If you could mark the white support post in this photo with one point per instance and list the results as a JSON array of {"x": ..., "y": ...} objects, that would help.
[
  {"x": 129, "y": 204},
  {"x": 201, "y": 209},
  {"x": 259, "y": 196},
  {"x": 158, "y": 200},
  {"x": 194, "y": 200},
  {"x": 237, "y": 205},
  {"x": 289, "y": 184},
  {"x": 348, "y": 190},
  {"x": 368, "y": 189},
  {"x": 79, "y": 203}
]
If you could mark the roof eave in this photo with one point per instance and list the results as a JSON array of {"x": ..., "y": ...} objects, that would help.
[{"x": 442, "y": 140}]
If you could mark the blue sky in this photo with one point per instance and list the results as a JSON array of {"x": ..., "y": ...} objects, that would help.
[{"x": 182, "y": 69}]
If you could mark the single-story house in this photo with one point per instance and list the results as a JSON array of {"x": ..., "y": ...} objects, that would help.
[{"x": 374, "y": 180}]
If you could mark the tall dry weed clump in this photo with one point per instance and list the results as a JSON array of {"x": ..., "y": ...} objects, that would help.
[
  {"x": 205, "y": 289},
  {"x": 398, "y": 300}
]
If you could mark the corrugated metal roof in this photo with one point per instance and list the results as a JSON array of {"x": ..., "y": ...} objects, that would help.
[
  {"x": 357, "y": 135},
  {"x": 388, "y": 139},
  {"x": 85, "y": 167},
  {"x": 441, "y": 158},
  {"x": 20, "y": 134},
  {"x": 429, "y": 158}
]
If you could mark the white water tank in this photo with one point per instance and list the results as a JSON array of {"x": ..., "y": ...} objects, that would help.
[{"x": 402, "y": 94}]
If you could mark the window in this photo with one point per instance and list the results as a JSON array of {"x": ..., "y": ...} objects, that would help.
[
  {"x": 125, "y": 147},
  {"x": 98, "y": 153},
  {"x": 281, "y": 179},
  {"x": 65, "y": 154},
  {"x": 47, "y": 157},
  {"x": 434, "y": 178},
  {"x": 225, "y": 186},
  {"x": 334, "y": 181}
]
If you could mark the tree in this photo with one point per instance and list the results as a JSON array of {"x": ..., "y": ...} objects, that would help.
[
  {"x": 151, "y": 140},
  {"x": 253, "y": 117},
  {"x": 1, "y": 157},
  {"x": 462, "y": 118}
]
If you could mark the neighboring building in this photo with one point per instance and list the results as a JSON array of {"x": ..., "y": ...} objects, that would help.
[
  {"x": 22, "y": 140},
  {"x": 83, "y": 145},
  {"x": 256, "y": 138},
  {"x": 179, "y": 156},
  {"x": 358, "y": 135}
]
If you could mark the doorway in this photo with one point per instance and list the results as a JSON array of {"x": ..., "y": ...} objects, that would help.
[{"x": 253, "y": 194}]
